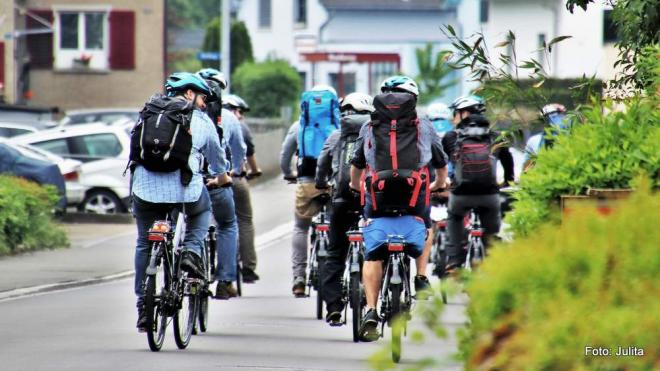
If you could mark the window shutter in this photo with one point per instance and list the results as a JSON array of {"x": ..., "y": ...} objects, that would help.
[
  {"x": 122, "y": 40},
  {"x": 40, "y": 46}
]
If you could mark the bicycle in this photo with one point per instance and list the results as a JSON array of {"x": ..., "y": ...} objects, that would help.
[
  {"x": 205, "y": 293},
  {"x": 476, "y": 250},
  {"x": 170, "y": 294},
  {"x": 395, "y": 295},
  {"x": 438, "y": 254},
  {"x": 319, "y": 241},
  {"x": 352, "y": 288},
  {"x": 239, "y": 275}
]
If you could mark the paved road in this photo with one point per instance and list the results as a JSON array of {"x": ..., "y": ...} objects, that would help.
[{"x": 92, "y": 327}]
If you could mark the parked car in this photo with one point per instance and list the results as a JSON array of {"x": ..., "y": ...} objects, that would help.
[
  {"x": 13, "y": 162},
  {"x": 70, "y": 169},
  {"x": 103, "y": 151},
  {"x": 8, "y": 130},
  {"x": 104, "y": 115}
]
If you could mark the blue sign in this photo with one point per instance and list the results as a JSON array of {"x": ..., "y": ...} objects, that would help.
[{"x": 208, "y": 56}]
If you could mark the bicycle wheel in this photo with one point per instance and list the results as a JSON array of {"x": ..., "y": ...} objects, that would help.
[
  {"x": 186, "y": 315},
  {"x": 439, "y": 254},
  {"x": 239, "y": 278},
  {"x": 357, "y": 304},
  {"x": 319, "y": 289},
  {"x": 156, "y": 320},
  {"x": 203, "y": 314},
  {"x": 395, "y": 291}
]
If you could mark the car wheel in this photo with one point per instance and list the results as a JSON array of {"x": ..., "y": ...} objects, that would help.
[{"x": 101, "y": 202}]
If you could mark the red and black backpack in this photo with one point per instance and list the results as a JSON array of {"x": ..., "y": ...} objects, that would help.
[{"x": 397, "y": 182}]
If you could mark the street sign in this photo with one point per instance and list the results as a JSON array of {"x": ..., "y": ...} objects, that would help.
[{"x": 208, "y": 56}]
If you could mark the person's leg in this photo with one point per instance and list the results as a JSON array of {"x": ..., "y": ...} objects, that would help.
[
  {"x": 372, "y": 274},
  {"x": 489, "y": 215},
  {"x": 243, "y": 205},
  {"x": 456, "y": 210},
  {"x": 227, "y": 233},
  {"x": 197, "y": 226},
  {"x": 341, "y": 220},
  {"x": 423, "y": 260},
  {"x": 299, "y": 244}
]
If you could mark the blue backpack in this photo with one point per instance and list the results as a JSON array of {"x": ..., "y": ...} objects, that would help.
[{"x": 319, "y": 117}]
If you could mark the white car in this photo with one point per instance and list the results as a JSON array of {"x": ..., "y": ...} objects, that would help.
[
  {"x": 70, "y": 169},
  {"x": 94, "y": 115},
  {"x": 104, "y": 152},
  {"x": 8, "y": 130}
]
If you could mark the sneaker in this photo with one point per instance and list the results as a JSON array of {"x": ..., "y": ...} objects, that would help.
[
  {"x": 422, "y": 287},
  {"x": 369, "y": 328},
  {"x": 453, "y": 267},
  {"x": 192, "y": 264},
  {"x": 225, "y": 290},
  {"x": 142, "y": 320},
  {"x": 333, "y": 318},
  {"x": 299, "y": 287},
  {"x": 249, "y": 276}
]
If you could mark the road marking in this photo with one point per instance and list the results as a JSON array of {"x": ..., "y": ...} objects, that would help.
[{"x": 262, "y": 242}]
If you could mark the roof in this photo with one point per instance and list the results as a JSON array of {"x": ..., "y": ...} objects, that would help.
[{"x": 382, "y": 4}]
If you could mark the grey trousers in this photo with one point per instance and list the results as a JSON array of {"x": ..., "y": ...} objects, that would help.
[
  {"x": 243, "y": 206},
  {"x": 299, "y": 245},
  {"x": 488, "y": 209}
]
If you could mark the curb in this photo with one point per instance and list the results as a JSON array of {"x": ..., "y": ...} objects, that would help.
[
  {"x": 76, "y": 217},
  {"x": 42, "y": 289}
]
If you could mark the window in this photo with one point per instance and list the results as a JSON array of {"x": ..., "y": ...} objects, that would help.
[
  {"x": 346, "y": 85},
  {"x": 483, "y": 11},
  {"x": 12, "y": 132},
  {"x": 609, "y": 28},
  {"x": 300, "y": 12},
  {"x": 97, "y": 145},
  {"x": 264, "y": 13},
  {"x": 81, "y": 40},
  {"x": 379, "y": 72},
  {"x": 57, "y": 146}
]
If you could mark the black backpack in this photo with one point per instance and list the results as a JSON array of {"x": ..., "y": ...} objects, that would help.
[
  {"x": 343, "y": 155},
  {"x": 161, "y": 140},
  {"x": 396, "y": 182},
  {"x": 474, "y": 164}
]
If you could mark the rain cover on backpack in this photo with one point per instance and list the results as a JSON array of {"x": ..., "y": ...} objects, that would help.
[
  {"x": 474, "y": 164},
  {"x": 319, "y": 117}
]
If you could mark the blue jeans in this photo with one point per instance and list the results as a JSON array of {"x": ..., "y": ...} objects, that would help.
[
  {"x": 197, "y": 224},
  {"x": 224, "y": 212}
]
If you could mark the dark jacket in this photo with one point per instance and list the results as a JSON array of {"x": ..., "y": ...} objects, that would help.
[{"x": 449, "y": 143}]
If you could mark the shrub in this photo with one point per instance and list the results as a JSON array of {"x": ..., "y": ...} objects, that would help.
[
  {"x": 267, "y": 86},
  {"x": 26, "y": 217},
  {"x": 537, "y": 303},
  {"x": 606, "y": 151}
]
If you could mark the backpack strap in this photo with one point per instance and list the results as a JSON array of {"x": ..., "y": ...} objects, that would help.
[
  {"x": 362, "y": 186},
  {"x": 374, "y": 181},
  {"x": 393, "y": 154},
  {"x": 418, "y": 187}
]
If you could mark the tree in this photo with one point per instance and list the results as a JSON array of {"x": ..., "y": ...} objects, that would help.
[
  {"x": 638, "y": 26},
  {"x": 241, "y": 45},
  {"x": 187, "y": 14},
  {"x": 433, "y": 70},
  {"x": 267, "y": 86}
]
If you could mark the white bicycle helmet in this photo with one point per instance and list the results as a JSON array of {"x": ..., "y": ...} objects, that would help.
[
  {"x": 400, "y": 83},
  {"x": 215, "y": 75},
  {"x": 472, "y": 103},
  {"x": 233, "y": 101},
  {"x": 323, "y": 87},
  {"x": 438, "y": 111},
  {"x": 551, "y": 108},
  {"x": 358, "y": 102}
]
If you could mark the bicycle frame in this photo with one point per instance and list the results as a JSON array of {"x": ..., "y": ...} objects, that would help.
[
  {"x": 476, "y": 250},
  {"x": 397, "y": 272}
]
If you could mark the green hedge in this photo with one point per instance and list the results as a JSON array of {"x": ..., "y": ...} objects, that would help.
[
  {"x": 267, "y": 86},
  {"x": 538, "y": 303},
  {"x": 605, "y": 151},
  {"x": 26, "y": 217}
]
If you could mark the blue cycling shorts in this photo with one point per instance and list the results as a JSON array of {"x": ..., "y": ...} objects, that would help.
[{"x": 412, "y": 228}]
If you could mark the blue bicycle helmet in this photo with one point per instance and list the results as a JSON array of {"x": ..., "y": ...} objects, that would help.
[
  {"x": 400, "y": 83},
  {"x": 181, "y": 81}
]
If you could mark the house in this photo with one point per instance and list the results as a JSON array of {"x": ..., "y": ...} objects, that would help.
[
  {"x": 81, "y": 54},
  {"x": 590, "y": 50},
  {"x": 349, "y": 44}
]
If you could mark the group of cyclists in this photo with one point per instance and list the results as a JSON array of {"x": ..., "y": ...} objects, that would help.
[
  {"x": 377, "y": 159},
  {"x": 207, "y": 157}
]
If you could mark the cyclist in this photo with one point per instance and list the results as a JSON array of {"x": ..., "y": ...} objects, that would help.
[
  {"x": 157, "y": 193},
  {"x": 440, "y": 116},
  {"x": 306, "y": 206},
  {"x": 334, "y": 163},
  {"x": 222, "y": 198},
  {"x": 554, "y": 115},
  {"x": 238, "y": 107},
  {"x": 482, "y": 197},
  {"x": 416, "y": 225}
]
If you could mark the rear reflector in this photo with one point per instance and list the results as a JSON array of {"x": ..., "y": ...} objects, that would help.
[
  {"x": 442, "y": 224},
  {"x": 323, "y": 227},
  {"x": 355, "y": 238},
  {"x": 156, "y": 237},
  {"x": 476, "y": 233},
  {"x": 394, "y": 246}
]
